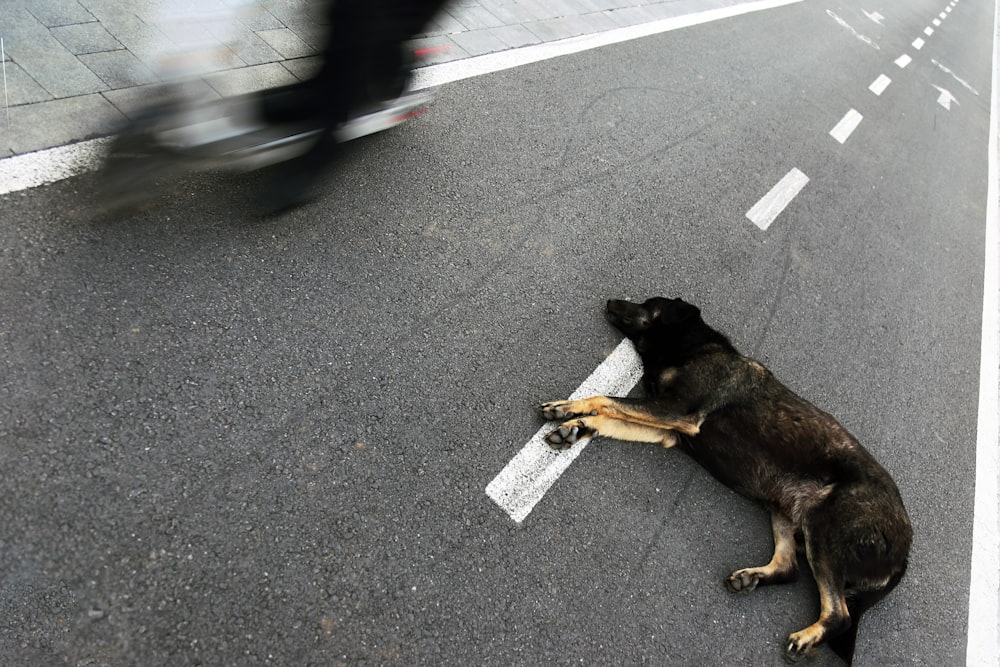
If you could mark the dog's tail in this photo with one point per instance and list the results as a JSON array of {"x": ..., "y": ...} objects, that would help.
[{"x": 858, "y": 604}]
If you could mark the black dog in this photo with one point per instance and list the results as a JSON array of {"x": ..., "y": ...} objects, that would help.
[{"x": 825, "y": 491}]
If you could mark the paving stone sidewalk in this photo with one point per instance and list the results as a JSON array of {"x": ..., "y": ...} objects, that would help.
[{"x": 75, "y": 69}]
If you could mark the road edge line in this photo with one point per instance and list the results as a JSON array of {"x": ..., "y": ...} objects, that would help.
[{"x": 983, "y": 643}]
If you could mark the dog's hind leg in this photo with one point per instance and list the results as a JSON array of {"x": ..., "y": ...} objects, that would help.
[
  {"x": 834, "y": 616},
  {"x": 784, "y": 566}
]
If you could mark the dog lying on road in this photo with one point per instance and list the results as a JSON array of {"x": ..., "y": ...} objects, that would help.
[{"x": 825, "y": 491}]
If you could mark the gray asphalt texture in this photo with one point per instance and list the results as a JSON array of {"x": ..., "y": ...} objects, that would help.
[{"x": 230, "y": 440}]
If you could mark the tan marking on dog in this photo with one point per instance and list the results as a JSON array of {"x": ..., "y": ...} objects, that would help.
[
  {"x": 668, "y": 375},
  {"x": 607, "y": 406}
]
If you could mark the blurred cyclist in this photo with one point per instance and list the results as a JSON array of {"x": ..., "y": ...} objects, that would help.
[{"x": 364, "y": 65}]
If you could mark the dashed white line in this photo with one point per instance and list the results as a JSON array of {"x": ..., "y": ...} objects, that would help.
[
  {"x": 928, "y": 31},
  {"x": 936, "y": 22},
  {"x": 774, "y": 202},
  {"x": 903, "y": 60},
  {"x": 846, "y": 126},
  {"x": 880, "y": 84},
  {"x": 918, "y": 43},
  {"x": 530, "y": 474},
  {"x": 943, "y": 16}
]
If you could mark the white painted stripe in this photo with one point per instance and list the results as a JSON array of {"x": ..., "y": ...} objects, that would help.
[
  {"x": 936, "y": 22},
  {"x": 964, "y": 83},
  {"x": 943, "y": 15},
  {"x": 846, "y": 126},
  {"x": 54, "y": 164},
  {"x": 774, "y": 202},
  {"x": 918, "y": 43},
  {"x": 928, "y": 31},
  {"x": 903, "y": 60},
  {"x": 983, "y": 645},
  {"x": 530, "y": 474},
  {"x": 880, "y": 84},
  {"x": 437, "y": 75}
]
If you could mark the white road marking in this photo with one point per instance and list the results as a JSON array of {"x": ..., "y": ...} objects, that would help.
[
  {"x": 945, "y": 98},
  {"x": 774, "y": 202},
  {"x": 928, "y": 31},
  {"x": 436, "y": 75},
  {"x": 874, "y": 16},
  {"x": 983, "y": 645},
  {"x": 880, "y": 84},
  {"x": 918, "y": 43},
  {"x": 961, "y": 81},
  {"x": 846, "y": 25},
  {"x": 937, "y": 23},
  {"x": 530, "y": 474},
  {"x": 903, "y": 60},
  {"x": 846, "y": 126},
  {"x": 943, "y": 16},
  {"x": 6, "y": 98},
  {"x": 54, "y": 164}
]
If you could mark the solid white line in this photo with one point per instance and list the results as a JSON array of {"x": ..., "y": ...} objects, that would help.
[
  {"x": 918, "y": 43},
  {"x": 983, "y": 645},
  {"x": 54, "y": 164},
  {"x": 903, "y": 60},
  {"x": 436, "y": 75},
  {"x": 774, "y": 202},
  {"x": 6, "y": 99},
  {"x": 964, "y": 83},
  {"x": 846, "y": 126},
  {"x": 880, "y": 84},
  {"x": 523, "y": 482}
]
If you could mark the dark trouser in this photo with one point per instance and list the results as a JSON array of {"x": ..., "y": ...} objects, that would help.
[{"x": 364, "y": 62}]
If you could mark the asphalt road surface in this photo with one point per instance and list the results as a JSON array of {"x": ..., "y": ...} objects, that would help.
[{"x": 234, "y": 441}]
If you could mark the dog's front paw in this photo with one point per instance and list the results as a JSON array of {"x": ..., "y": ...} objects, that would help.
[
  {"x": 568, "y": 434},
  {"x": 559, "y": 410}
]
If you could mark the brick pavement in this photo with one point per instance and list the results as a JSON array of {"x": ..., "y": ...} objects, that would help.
[{"x": 74, "y": 69}]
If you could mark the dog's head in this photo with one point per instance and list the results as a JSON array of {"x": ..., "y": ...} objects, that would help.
[
  {"x": 665, "y": 332},
  {"x": 654, "y": 318}
]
